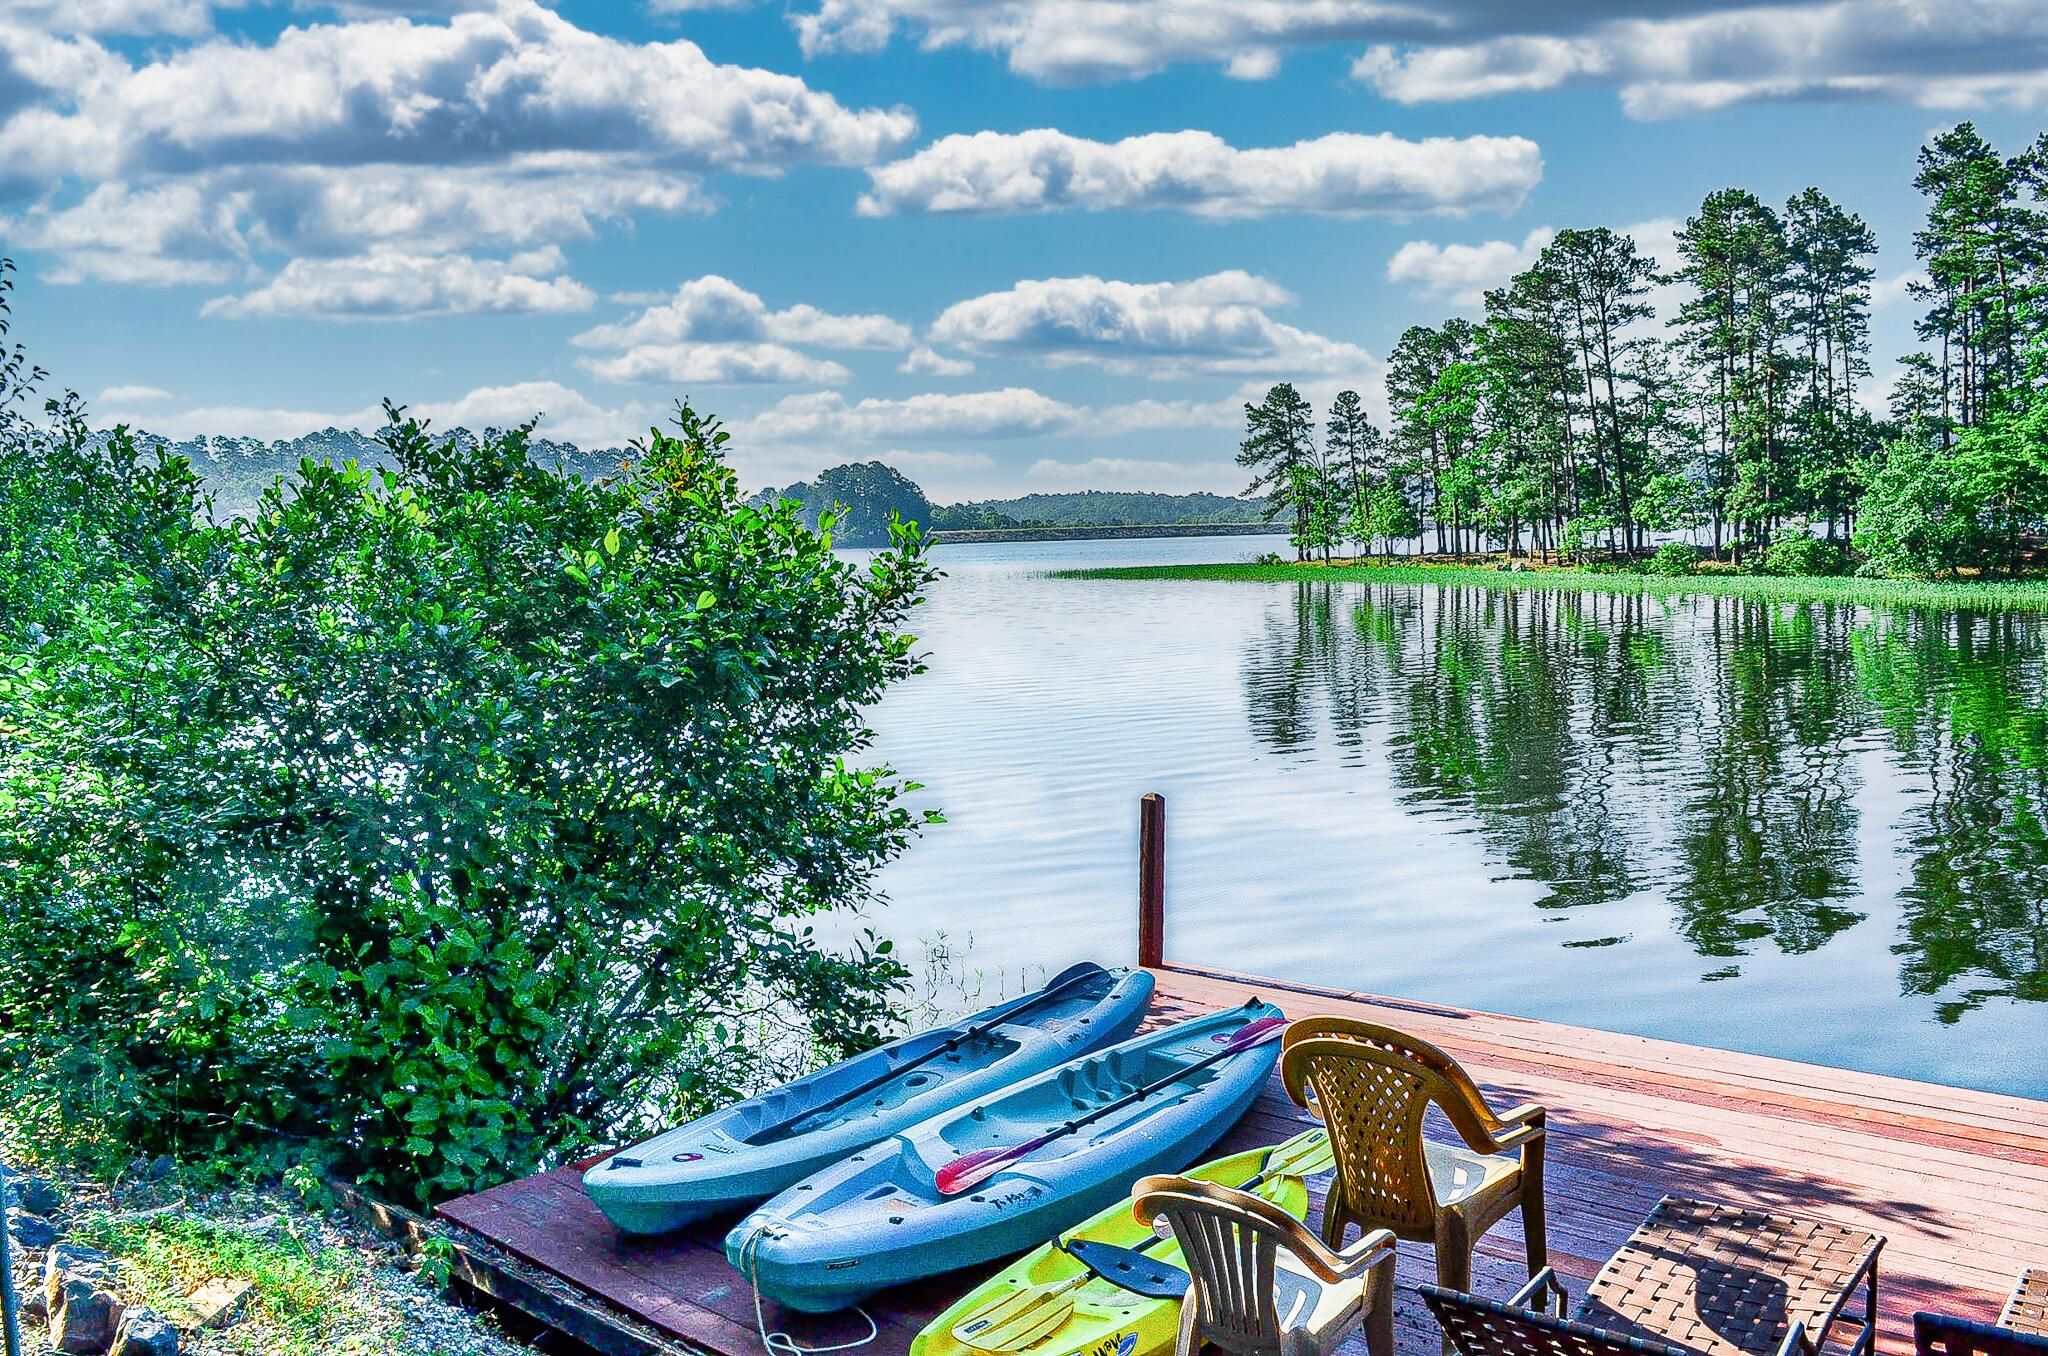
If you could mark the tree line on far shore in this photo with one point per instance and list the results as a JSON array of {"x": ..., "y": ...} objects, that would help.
[
  {"x": 1568, "y": 422},
  {"x": 863, "y": 497}
]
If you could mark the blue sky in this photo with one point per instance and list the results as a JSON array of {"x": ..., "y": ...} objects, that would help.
[{"x": 1006, "y": 245}]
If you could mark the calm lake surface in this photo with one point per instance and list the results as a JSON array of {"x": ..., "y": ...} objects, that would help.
[{"x": 1807, "y": 830}]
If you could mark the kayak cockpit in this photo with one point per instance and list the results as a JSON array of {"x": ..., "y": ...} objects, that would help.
[{"x": 809, "y": 1105}]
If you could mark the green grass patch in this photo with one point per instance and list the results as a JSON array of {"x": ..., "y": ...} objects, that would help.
[
  {"x": 300, "y": 1301},
  {"x": 2019, "y": 596}
]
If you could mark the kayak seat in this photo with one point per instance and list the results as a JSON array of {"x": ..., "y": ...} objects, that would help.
[{"x": 1260, "y": 1283}]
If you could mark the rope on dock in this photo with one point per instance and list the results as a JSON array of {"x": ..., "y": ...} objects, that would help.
[{"x": 781, "y": 1343}]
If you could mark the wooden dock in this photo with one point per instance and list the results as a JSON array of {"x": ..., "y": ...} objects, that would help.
[{"x": 1957, "y": 1180}]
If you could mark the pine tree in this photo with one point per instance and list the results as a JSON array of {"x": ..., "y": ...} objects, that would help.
[
  {"x": 1602, "y": 278},
  {"x": 1828, "y": 251},
  {"x": 1418, "y": 360},
  {"x": 1981, "y": 246},
  {"x": 1279, "y": 444},
  {"x": 1734, "y": 259},
  {"x": 1356, "y": 452}
]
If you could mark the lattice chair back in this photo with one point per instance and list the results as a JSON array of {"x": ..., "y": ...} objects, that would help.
[
  {"x": 1943, "y": 1335},
  {"x": 1458, "y": 1095},
  {"x": 1483, "y": 1327},
  {"x": 1372, "y": 1101},
  {"x": 1230, "y": 1241}
]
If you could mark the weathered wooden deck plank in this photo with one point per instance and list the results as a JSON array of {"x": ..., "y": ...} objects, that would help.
[{"x": 1957, "y": 1180}]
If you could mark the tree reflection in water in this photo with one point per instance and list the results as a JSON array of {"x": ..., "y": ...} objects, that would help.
[{"x": 1701, "y": 751}]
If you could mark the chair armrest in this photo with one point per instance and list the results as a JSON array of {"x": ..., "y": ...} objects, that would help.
[
  {"x": 1795, "y": 1343},
  {"x": 1543, "y": 1284},
  {"x": 1514, "y": 1128},
  {"x": 1368, "y": 1252}
]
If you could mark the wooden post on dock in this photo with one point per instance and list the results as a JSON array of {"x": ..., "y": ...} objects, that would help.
[{"x": 1152, "y": 879}]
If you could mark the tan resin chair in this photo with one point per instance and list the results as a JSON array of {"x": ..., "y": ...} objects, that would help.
[
  {"x": 1370, "y": 1085},
  {"x": 1261, "y": 1283}
]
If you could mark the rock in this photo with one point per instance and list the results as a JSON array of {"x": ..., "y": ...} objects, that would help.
[
  {"x": 217, "y": 1304},
  {"x": 37, "y": 1195},
  {"x": 32, "y": 1231},
  {"x": 65, "y": 1258},
  {"x": 163, "y": 1167},
  {"x": 85, "y": 1316},
  {"x": 145, "y": 1333}
]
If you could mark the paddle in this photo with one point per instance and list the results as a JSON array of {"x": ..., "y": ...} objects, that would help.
[
  {"x": 970, "y": 1169},
  {"x": 1061, "y": 982},
  {"x": 1305, "y": 1155},
  {"x": 1024, "y": 1316}
]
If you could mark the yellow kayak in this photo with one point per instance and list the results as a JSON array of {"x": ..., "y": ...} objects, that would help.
[{"x": 1107, "y": 1320}]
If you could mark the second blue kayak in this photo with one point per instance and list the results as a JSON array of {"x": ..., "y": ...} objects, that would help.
[
  {"x": 878, "y": 1218},
  {"x": 753, "y": 1149}
]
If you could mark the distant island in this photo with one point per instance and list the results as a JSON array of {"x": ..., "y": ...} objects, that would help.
[
  {"x": 868, "y": 493},
  {"x": 236, "y": 470}
]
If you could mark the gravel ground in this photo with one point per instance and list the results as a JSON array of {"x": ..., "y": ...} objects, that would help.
[{"x": 369, "y": 1297}]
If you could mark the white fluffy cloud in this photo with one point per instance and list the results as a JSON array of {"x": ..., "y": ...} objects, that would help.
[
  {"x": 388, "y": 284},
  {"x": 1074, "y": 41},
  {"x": 1935, "y": 53},
  {"x": 926, "y": 361},
  {"x": 1898, "y": 289},
  {"x": 1464, "y": 273},
  {"x": 1344, "y": 173},
  {"x": 712, "y": 309},
  {"x": 123, "y": 395},
  {"x": 181, "y": 18},
  {"x": 517, "y": 79},
  {"x": 1668, "y": 56},
  {"x": 1011, "y": 412},
  {"x": 503, "y": 126},
  {"x": 716, "y": 365},
  {"x": 215, "y": 225},
  {"x": 712, "y": 330},
  {"x": 565, "y": 413},
  {"x": 1213, "y": 324}
]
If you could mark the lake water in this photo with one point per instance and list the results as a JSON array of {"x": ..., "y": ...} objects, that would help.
[{"x": 1807, "y": 830}]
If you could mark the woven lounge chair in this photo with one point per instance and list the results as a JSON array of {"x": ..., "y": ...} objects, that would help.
[
  {"x": 1371, "y": 1085},
  {"x": 1262, "y": 1284},
  {"x": 2021, "y": 1330},
  {"x": 1695, "y": 1279}
]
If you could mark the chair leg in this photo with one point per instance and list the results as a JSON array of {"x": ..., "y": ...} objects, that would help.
[
  {"x": 1379, "y": 1319},
  {"x": 1453, "y": 1259},
  {"x": 1453, "y": 1253},
  {"x": 1534, "y": 1235},
  {"x": 1335, "y": 1217},
  {"x": 1188, "y": 1343}
]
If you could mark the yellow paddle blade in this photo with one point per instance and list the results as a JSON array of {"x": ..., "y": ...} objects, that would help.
[
  {"x": 1306, "y": 1155},
  {"x": 1019, "y": 1318}
]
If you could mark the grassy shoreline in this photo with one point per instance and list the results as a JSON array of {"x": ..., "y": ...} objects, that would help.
[{"x": 2019, "y": 596}]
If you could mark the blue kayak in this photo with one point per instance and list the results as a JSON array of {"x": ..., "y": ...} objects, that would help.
[
  {"x": 747, "y": 1152},
  {"x": 878, "y": 1218}
]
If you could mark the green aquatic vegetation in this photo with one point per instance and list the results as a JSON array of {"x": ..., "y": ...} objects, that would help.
[{"x": 2017, "y": 595}]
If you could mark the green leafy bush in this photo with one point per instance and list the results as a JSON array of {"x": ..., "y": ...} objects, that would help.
[
  {"x": 1673, "y": 558},
  {"x": 433, "y": 819},
  {"x": 1797, "y": 553}
]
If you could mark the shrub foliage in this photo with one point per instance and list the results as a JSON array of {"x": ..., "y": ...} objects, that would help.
[{"x": 433, "y": 819}]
